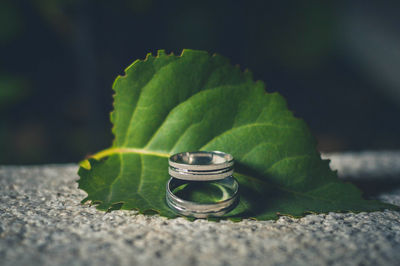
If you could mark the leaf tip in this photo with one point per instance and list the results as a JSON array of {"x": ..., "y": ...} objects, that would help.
[
  {"x": 115, "y": 206},
  {"x": 148, "y": 56},
  {"x": 161, "y": 52},
  {"x": 86, "y": 201},
  {"x": 85, "y": 164},
  {"x": 186, "y": 52},
  {"x": 130, "y": 67}
]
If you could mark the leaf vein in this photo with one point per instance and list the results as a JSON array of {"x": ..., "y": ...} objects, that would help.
[{"x": 255, "y": 125}]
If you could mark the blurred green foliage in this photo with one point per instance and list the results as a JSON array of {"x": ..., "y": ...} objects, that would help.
[
  {"x": 58, "y": 59},
  {"x": 13, "y": 90},
  {"x": 10, "y": 21}
]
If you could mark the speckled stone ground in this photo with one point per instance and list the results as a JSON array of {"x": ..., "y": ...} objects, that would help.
[{"x": 43, "y": 223}]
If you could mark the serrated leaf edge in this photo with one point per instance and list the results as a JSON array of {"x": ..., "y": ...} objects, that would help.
[{"x": 121, "y": 150}]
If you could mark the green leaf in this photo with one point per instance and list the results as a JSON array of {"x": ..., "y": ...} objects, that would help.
[{"x": 167, "y": 104}]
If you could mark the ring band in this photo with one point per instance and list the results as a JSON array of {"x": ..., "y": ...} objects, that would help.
[
  {"x": 200, "y": 175},
  {"x": 229, "y": 187},
  {"x": 201, "y": 160},
  {"x": 201, "y": 165}
]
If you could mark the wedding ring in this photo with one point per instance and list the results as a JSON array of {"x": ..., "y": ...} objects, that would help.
[
  {"x": 200, "y": 175},
  {"x": 228, "y": 186},
  {"x": 201, "y": 165}
]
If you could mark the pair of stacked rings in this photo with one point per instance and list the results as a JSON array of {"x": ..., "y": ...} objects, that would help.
[{"x": 201, "y": 166}]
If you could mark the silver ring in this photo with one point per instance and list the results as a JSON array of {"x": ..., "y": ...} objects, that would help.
[
  {"x": 201, "y": 165},
  {"x": 200, "y": 175},
  {"x": 228, "y": 186},
  {"x": 201, "y": 160}
]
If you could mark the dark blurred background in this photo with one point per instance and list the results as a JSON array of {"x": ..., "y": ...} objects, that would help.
[{"x": 336, "y": 62}]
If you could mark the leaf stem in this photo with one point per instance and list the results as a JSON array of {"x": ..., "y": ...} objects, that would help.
[{"x": 119, "y": 150}]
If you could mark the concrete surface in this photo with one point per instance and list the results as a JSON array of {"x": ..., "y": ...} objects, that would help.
[{"x": 43, "y": 223}]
